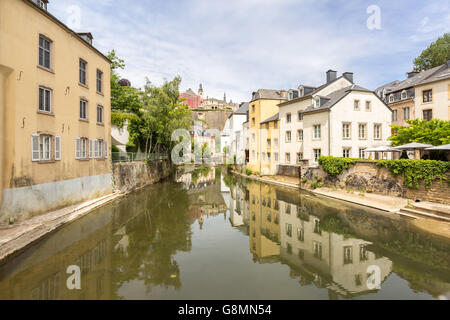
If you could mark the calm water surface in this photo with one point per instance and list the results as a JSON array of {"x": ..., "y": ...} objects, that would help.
[{"x": 208, "y": 235}]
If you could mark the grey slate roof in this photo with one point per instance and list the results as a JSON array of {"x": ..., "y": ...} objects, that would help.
[
  {"x": 267, "y": 94},
  {"x": 434, "y": 74},
  {"x": 335, "y": 97},
  {"x": 310, "y": 93},
  {"x": 243, "y": 109},
  {"x": 272, "y": 118}
]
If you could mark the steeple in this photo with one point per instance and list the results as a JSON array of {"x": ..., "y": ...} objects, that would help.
[
  {"x": 224, "y": 97},
  {"x": 200, "y": 90}
]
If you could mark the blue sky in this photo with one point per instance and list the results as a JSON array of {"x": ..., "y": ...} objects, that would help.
[{"x": 239, "y": 46}]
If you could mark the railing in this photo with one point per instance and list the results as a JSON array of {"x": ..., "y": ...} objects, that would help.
[{"x": 133, "y": 156}]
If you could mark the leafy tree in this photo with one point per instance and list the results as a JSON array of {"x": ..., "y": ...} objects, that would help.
[
  {"x": 435, "y": 132},
  {"x": 436, "y": 54}
]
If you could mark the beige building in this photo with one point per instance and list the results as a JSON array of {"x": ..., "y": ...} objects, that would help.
[
  {"x": 270, "y": 145},
  {"x": 264, "y": 105},
  {"x": 54, "y": 113},
  {"x": 422, "y": 95}
]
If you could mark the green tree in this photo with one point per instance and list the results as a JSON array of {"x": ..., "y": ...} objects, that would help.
[
  {"x": 435, "y": 132},
  {"x": 436, "y": 54}
]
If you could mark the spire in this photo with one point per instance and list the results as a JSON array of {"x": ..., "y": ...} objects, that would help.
[
  {"x": 200, "y": 90},
  {"x": 225, "y": 97}
]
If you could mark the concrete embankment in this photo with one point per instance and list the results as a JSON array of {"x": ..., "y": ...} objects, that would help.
[{"x": 130, "y": 176}]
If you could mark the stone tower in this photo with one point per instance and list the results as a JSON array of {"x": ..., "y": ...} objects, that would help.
[{"x": 200, "y": 90}]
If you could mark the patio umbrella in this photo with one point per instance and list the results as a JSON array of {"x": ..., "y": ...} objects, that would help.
[
  {"x": 382, "y": 149},
  {"x": 413, "y": 146},
  {"x": 443, "y": 147}
]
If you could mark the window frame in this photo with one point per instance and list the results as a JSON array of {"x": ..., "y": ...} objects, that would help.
[
  {"x": 315, "y": 137},
  {"x": 375, "y": 131},
  {"x": 349, "y": 136},
  {"x": 300, "y": 135},
  {"x": 80, "y": 71},
  {"x": 429, "y": 94},
  {"x": 288, "y": 134},
  {"x": 427, "y": 111},
  {"x": 347, "y": 150},
  {"x": 316, "y": 158},
  {"x": 86, "y": 110},
  {"x": 364, "y": 125},
  {"x": 45, "y": 89},
  {"x": 356, "y": 105},
  {"x": 99, "y": 80},
  {"x": 100, "y": 107},
  {"x": 288, "y": 117},
  {"x": 49, "y": 52}
]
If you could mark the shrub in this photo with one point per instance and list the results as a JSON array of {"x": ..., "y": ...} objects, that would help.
[
  {"x": 248, "y": 172},
  {"x": 414, "y": 171},
  {"x": 334, "y": 165},
  {"x": 316, "y": 185}
]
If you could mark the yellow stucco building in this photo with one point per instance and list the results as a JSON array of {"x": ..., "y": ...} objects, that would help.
[
  {"x": 263, "y": 106},
  {"x": 54, "y": 113}
]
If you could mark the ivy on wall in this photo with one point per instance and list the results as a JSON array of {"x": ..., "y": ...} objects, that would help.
[
  {"x": 334, "y": 165},
  {"x": 119, "y": 118},
  {"x": 415, "y": 171}
]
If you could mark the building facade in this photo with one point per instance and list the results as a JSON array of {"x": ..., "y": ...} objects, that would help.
[
  {"x": 270, "y": 145},
  {"x": 264, "y": 105},
  {"x": 338, "y": 118},
  {"x": 54, "y": 113}
]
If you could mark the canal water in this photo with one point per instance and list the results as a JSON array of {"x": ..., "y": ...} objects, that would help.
[{"x": 209, "y": 235}]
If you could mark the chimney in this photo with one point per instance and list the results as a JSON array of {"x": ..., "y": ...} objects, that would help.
[
  {"x": 412, "y": 73},
  {"x": 348, "y": 76},
  {"x": 331, "y": 75},
  {"x": 283, "y": 93}
]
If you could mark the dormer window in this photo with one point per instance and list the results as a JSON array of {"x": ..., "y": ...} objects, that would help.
[
  {"x": 301, "y": 91},
  {"x": 316, "y": 102},
  {"x": 391, "y": 98},
  {"x": 404, "y": 94},
  {"x": 42, "y": 4}
]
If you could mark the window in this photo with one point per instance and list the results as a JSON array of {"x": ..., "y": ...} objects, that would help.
[
  {"x": 83, "y": 109},
  {"x": 288, "y": 208},
  {"x": 268, "y": 156},
  {"x": 317, "y": 131},
  {"x": 42, "y": 147},
  {"x": 98, "y": 149},
  {"x": 253, "y": 108},
  {"x": 299, "y": 157},
  {"x": 377, "y": 131},
  {"x": 300, "y": 135},
  {"x": 348, "y": 255},
  {"x": 288, "y": 136},
  {"x": 267, "y": 126},
  {"x": 316, "y": 102},
  {"x": 362, "y": 153},
  {"x": 317, "y": 247},
  {"x": 368, "y": 106},
  {"x": 289, "y": 229},
  {"x": 276, "y": 156},
  {"x": 99, "y": 114},
  {"x": 346, "y": 152},
  {"x": 317, "y": 226},
  {"x": 253, "y": 137},
  {"x": 363, "y": 253},
  {"x": 275, "y": 142},
  {"x": 42, "y": 4},
  {"x": 44, "y": 52},
  {"x": 269, "y": 143},
  {"x": 301, "y": 234},
  {"x": 300, "y": 116},
  {"x": 346, "y": 130},
  {"x": 264, "y": 156},
  {"x": 362, "y": 131},
  {"x": 99, "y": 81},
  {"x": 317, "y": 154},
  {"x": 404, "y": 94},
  {"x": 275, "y": 125},
  {"x": 83, "y": 68},
  {"x": 356, "y": 105},
  {"x": 391, "y": 98},
  {"x": 45, "y": 99},
  {"x": 394, "y": 115},
  {"x": 427, "y": 115},
  {"x": 253, "y": 121},
  {"x": 288, "y": 158},
  {"x": 81, "y": 148},
  {"x": 427, "y": 96},
  {"x": 406, "y": 113},
  {"x": 288, "y": 118}
]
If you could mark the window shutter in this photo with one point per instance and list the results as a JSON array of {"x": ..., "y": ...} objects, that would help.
[
  {"x": 57, "y": 148},
  {"x": 35, "y": 155},
  {"x": 95, "y": 148},
  {"x": 106, "y": 149},
  {"x": 77, "y": 149},
  {"x": 90, "y": 148}
]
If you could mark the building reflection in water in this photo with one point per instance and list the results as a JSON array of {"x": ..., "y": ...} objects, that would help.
[{"x": 138, "y": 239}]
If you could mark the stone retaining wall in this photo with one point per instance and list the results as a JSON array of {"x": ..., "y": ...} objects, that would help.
[
  {"x": 366, "y": 176},
  {"x": 129, "y": 176}
]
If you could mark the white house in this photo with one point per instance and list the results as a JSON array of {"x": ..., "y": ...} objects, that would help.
[
  {"x": 338, "y": 118},
  {"x": 233, "y": 133}
]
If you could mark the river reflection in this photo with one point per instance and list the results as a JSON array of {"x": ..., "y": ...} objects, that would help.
[{"x": 208, "y": 235}]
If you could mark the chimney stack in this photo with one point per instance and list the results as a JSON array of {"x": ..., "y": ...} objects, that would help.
[
  {"x": 331, "y": 75},
  {"x": 348, "y": 76}
]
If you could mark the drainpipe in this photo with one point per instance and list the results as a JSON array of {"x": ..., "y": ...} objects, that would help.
[{"x": 329, "y": 133}]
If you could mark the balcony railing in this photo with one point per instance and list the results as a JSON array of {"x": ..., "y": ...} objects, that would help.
[{"x": 132, "y": 156}]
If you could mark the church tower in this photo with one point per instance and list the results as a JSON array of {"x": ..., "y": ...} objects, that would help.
[
  {"x": 225, "y": 97},
  {"x": 200, "y": 90}
]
